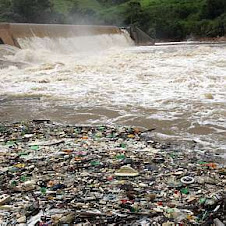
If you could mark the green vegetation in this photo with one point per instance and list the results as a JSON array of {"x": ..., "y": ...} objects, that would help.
[{"x": 165, "y": 19}]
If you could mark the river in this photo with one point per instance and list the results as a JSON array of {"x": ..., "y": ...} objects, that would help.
[{"x": 178, "y": 90}]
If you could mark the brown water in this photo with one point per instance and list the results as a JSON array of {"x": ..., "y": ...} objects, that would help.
[{"x": 178, "y": 90}]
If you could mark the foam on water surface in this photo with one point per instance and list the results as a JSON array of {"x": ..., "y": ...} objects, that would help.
[{"x": 180, "y": 90}]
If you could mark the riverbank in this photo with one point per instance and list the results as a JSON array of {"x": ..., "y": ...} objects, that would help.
[
  {"x": 52, "y": 173},
  {"x": 215, "y": 39},
  {"x": 204, "y": 40}
]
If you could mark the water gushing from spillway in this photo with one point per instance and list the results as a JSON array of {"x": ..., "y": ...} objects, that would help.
[{"x": 179, "y": 90}]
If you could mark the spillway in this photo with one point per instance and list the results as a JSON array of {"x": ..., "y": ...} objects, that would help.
[{"x": 10, "y": 33}]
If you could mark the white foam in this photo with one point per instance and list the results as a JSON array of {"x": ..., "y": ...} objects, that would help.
[{"x": 108, "y": 71}]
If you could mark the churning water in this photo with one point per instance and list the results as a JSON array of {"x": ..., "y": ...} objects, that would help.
[{"x": 179, "y": 90}]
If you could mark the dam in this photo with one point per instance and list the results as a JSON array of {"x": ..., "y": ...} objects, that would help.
[{"x": 10, "y": 32}]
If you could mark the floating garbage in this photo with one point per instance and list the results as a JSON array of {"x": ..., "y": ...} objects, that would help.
[
  {"x": 187, "y": 180},
  {"x": 4, "y": 199},
  {"x": 126, "y": 171},
  {"x": 52, "y": 174}
]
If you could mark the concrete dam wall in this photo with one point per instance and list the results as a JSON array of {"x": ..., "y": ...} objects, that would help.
[
  {"x": 6, "y": 35},
  {"x": 9, "y": 33}
]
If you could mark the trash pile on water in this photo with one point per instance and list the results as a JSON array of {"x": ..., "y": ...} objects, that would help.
[{"x": 71, "y": 175}]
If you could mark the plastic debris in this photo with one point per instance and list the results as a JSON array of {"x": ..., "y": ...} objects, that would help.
[
  {"x": 80, "y": 175},
  {"x": 126, "y": 171},
  {"x": 4, "y": 199},
  {"x": 187, "y": 180},
  {"x": 217, "y": 222}
]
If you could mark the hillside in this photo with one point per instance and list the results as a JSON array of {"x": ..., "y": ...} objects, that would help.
[{"x": 163, "y": 19}]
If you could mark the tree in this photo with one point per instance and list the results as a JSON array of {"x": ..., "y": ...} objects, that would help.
[
  {"x": 33, "y": 11},
  {"x": 4, "y": 10},
  {"x": 213, "y": 9},
  {"x": 134, "y": 11}
]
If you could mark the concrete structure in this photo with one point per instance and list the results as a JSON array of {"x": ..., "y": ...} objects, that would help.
[
  {"x": 140, "y": 37},
  {"x": 9, "y": 33},
  {"x": 6, "y": 35}
]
